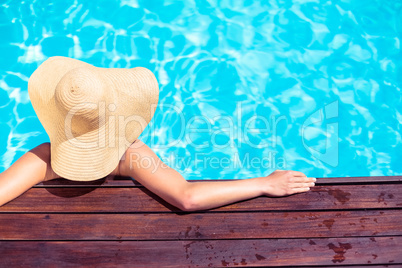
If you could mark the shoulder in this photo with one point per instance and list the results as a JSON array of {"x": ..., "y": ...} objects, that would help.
[{"x": 139, "y": 149}]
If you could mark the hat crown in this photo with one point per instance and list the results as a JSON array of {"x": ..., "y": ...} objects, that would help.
[
  {"x": 79, "y": 93},
  {"x": 92, "y": 115}
]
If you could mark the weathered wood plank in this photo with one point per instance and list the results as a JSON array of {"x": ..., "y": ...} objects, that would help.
[
  {"x": 111, "y": 181},
  {"x": 365, "y": 266},
  {"x": 200, "y": 225},
  {"x": 215, "y": 253},
  {"x": 360, "y": 180},
  {"x": 119, "y": 200}
]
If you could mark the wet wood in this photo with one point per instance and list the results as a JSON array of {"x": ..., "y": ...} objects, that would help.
[
  {"x": 359, "y": 180},
  {"x": 129, "y": 182},
  {"x": 139, "y": 199},
  {"x": 199, "y": 225},
  {"x": 117, "y": 222},
  {"x": 213, "y": 253}
]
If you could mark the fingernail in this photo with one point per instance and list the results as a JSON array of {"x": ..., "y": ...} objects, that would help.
[{"x": 314, "y": 179}]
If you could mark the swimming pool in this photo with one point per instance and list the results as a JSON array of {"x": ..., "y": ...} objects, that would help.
[{"x": 246, "y": 87}]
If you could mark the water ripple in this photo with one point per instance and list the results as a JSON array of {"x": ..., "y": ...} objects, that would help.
[{"x": 251, "y": 62}]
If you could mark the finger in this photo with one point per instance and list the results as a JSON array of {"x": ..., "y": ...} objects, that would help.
[
  {"x": 301, "y": 190},
  {"x": 303, "y": 179},
  {"x": 297, "y": 173},
  {"x": 304, "y": 185}
]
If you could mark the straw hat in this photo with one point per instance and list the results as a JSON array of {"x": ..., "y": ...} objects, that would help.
[{"x": 92, "y": 115}]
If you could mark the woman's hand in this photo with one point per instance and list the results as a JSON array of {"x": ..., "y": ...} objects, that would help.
[{"x": 286, "y": 182}]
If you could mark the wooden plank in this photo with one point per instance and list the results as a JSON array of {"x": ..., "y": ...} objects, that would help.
[
  {"x": 108, "y": 181},
  {"x": 129, "y": 182},
  {"x": 364, "y": 266},
  {"x": 215, "y": 253},
  {"x": 359, "y": 180},
  {"x": 120, "y": 200},
  {"x": 200, "y": 225}
]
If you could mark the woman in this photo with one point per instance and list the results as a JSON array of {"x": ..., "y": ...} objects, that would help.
[{"x": 89, "y": 141}]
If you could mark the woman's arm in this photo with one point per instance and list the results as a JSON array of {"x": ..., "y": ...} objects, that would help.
[
  {"x": 32, "y": 168},
  {"x": 141, "y": 163}
]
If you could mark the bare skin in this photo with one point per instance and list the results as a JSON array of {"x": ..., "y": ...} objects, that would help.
[{"x": 34, "y": 167}]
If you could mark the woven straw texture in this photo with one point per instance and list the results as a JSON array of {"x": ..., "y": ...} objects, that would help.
[{"x": 92, "y": 115}]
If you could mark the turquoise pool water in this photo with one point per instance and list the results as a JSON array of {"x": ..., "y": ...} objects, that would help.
[{"x": 246, "y": 87}]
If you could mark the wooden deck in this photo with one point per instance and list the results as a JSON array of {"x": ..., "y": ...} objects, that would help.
[{"x": 116, "y": 222}]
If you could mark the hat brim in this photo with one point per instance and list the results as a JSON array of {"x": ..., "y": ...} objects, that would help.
[
  {"x": 94, "y": 153},
  {"x": 83, "y": 159}
]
